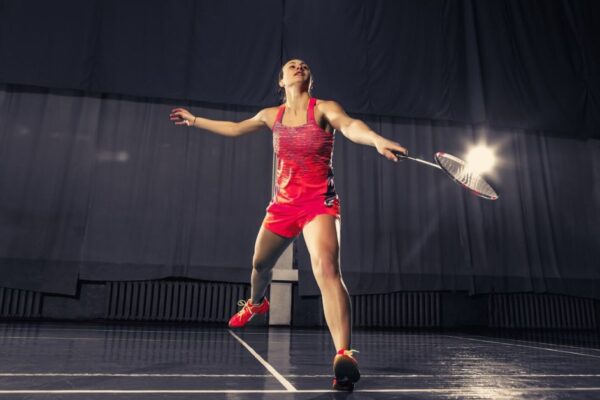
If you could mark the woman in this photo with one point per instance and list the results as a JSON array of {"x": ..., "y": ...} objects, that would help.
[{"x": 305, "y": 199}]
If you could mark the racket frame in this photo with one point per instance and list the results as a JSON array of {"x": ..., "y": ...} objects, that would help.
[{"x": 438, "y": 165}]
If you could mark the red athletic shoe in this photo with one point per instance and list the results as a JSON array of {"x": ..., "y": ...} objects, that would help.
[
  {"x": 345, "y": 369},
  {"x": 247, "y": 312}
]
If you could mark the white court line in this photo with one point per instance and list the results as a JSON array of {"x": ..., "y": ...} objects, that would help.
[
  {"x": 200, "y": 332},
  {"x": 104, "y": 339},
  {"x": 281, "y": 391},
  {"x": 117, "y": 330},
  {"x": 401, "y": 376},
  {"x": 117, "y": 375},
  {"x": 286, "y": 384},
  {"x": 552, "y": 344},
  {"x": 267, "y": 332},
  {"x": 522, "y": 345},
  {"x": 301, "y": 332},
  {"x": 371, "y": 376},
  {"x": 166, "y": 331},
  {"x": 59, "y": 338}
]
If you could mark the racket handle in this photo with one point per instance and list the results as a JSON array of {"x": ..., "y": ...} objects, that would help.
[
  {"x": 402, "y": 157},
  {"x": 399, "y": 156}
]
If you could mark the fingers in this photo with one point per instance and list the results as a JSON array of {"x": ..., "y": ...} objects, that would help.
[
  {"x": 396, "y": 147},
  {"x": 390, "y": 156},
  {"x": 180, "y": 121},
  {"x": 178, "y": 116},
  {"x": 179, "y": 111},
  {"x": 393, "y": 151}
]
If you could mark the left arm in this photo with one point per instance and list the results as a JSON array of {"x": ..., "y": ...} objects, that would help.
[{"x": 357, "y": 131}]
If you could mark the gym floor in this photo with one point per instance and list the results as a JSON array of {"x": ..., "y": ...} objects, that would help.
[{"x": 52, "y": 360}]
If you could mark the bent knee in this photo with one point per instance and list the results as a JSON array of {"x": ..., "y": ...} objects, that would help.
[{"x": 262, "y": 265}]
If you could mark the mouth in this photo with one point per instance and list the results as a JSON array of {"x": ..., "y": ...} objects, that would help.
[{"x": 299, "y": 73}]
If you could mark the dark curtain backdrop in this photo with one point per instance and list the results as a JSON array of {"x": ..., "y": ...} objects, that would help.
[
  {"x": 96, "y": 184},
  {"x": 105, "y": 188},
  {"x": 108, "y": 189},
  {"x": 514, "y": 63}
]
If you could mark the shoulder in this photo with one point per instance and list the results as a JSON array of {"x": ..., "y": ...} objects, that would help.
[
  {"x": 268, "y": 115},
  {"x": 332, "y": 112},
  {"x": 269, "y": 111},
  {"x": 326, "y": 111},
  {"x": 327, "y": 105}
]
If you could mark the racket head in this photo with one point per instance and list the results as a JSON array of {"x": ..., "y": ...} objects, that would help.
[{"x": 458, "y": 170}]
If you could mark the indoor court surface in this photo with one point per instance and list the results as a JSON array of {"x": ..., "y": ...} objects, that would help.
[{"x": 145, "y": 361}]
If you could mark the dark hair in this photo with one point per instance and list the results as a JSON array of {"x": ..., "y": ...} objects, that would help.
[{"x": 281, "y": 91}]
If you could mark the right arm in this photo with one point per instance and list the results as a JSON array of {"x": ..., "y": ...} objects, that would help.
[{"x": 181, "y": 116}]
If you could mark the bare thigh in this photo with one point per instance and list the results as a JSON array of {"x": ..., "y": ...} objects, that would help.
[
  {"x": 268, "y": 248},
  {"x": 322, "y": 240}
]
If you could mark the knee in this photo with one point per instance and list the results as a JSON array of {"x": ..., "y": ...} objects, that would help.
[
  {"x": 261, "y": 265},
  {"x": 325, "y": 269}
]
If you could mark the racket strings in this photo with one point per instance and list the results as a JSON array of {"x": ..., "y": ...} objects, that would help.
[{"x": 460, "y": 171}]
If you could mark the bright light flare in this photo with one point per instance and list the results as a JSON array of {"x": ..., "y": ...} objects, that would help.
[{"x": 481, "y": 159}]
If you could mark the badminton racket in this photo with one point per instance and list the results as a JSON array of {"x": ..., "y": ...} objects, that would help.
[{"x": 459, "y": 172}]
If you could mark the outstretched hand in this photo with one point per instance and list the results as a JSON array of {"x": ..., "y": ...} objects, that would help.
[
  {"x": 385, "y": 147},
  {"x": 181, "y": 116}
]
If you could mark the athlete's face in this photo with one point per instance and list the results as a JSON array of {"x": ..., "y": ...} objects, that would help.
[{"x": 293, "y": 72}]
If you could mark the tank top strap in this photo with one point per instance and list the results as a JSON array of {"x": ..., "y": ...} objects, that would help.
[
  {"x": 310, "y": 113},
  {"x": 279, "y": 114}
]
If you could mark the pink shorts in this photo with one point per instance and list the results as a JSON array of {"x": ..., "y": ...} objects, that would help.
[{"x": 287, "y": 220}]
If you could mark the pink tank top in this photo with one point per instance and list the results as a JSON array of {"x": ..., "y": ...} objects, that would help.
[{"x": 304, "y": 161}]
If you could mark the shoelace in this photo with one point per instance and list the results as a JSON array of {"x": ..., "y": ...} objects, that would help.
[{"x": 243, "y": 304}]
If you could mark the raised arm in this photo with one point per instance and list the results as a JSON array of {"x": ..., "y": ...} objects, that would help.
[
  {"x": 181, "y": 116},
  {"x": 357, "y": 131}
]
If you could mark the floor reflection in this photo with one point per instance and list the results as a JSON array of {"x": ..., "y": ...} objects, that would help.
[{"x": 394, "y": 364}]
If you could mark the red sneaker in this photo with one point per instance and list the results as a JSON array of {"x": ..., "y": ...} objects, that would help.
[
  {"x": 247, "y": 312},
  {"x": 345, "y": 369}
]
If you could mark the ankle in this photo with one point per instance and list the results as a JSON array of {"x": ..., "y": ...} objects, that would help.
[
  {"x": 253, "y": 302},
  {"x": 346, "y": 352}
]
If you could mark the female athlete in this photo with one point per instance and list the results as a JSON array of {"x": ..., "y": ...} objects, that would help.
[{"x": 304, "y": 201}]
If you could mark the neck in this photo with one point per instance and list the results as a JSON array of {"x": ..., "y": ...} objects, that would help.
[{"x": 296, "y": 99}]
